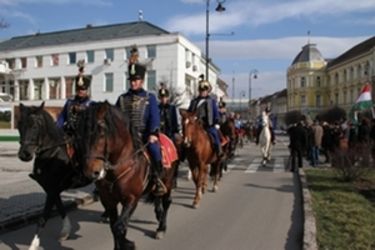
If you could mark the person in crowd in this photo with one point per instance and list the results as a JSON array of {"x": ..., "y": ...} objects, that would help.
[
  {"x": 317, "y": 143},
  {"x": 298, "y": 140}
]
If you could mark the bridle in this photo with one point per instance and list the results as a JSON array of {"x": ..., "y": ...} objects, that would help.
[{"x": 36, "y": 140}]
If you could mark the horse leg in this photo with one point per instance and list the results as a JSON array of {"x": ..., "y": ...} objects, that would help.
[
  {"x": 197, "y": 177},
  {"x": 161, "y": 210},
  {"x": 42, "y": 222},
  {"x": 216, "y": 166},
  {"x": 66, "y": 226},
  {"x": 120, "y": 228}
]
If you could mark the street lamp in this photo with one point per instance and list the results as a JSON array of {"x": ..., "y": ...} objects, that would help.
[
  {"x": 242, "y": 94},
  {"x": 219, "y": 8},
  {"x": 252, "y": 74}
]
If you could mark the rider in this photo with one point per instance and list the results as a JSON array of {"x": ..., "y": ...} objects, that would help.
[
  {"x": 262, "y": 122},
  {"x": 168, "y": 114},
  {"x": 68, "y": 117},
  {"x": 222, "y": 111},
  {"x": 141, "y": 108},
  {"x": 206, "y": 110}
]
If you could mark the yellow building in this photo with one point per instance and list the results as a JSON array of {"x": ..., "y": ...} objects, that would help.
[{"x": 315, "y": 84}]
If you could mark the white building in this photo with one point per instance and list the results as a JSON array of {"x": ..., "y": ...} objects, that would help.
[{"x": 42, "y": 66}]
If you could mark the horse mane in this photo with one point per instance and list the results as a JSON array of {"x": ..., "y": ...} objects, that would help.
[{"x": 90, "y": 120}]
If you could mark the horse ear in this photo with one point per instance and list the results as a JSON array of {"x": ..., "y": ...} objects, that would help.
[{"x": 42, "y": 105}]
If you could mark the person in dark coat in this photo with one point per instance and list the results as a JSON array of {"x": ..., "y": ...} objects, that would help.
[
  {"x": 298, "y": 141},
  {"x": 141, "y": 107},
  {"x": 73, "y": 107},
  {"x": 207, "y": 111},
  {"x": 168, "y": 115}
]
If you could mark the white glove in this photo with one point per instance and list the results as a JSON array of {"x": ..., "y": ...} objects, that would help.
[{"x": 217, "y": 126}]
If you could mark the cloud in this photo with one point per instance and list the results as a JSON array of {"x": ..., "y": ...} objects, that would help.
[
  {"x": 266, "y": 83},
  {"x": 81, "y": 2},
  {"x": 256, "y": 13},
  {"x": 280, "y": 48}
]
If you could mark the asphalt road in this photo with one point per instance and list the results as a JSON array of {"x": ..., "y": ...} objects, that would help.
[{"x": 255, "y": 208}]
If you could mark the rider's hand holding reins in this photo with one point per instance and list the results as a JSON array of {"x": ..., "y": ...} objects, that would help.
[{"x": 153, "y": 139}]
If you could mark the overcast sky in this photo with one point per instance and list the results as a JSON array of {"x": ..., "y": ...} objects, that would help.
[{"x": 268, "y": 34}]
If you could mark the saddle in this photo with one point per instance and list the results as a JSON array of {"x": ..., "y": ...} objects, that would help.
[{"x": 168, "y": 151}]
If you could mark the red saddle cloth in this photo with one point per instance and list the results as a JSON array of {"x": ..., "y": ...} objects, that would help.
[{"x": 168, "y": 150}]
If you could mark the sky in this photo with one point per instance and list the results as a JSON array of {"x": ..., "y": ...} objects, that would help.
[{"x": 262, "y": 35}]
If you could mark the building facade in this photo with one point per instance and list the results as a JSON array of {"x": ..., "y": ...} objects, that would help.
[
  {"x": 315, "y": 84},
  {"x": 42, "y": 66}
]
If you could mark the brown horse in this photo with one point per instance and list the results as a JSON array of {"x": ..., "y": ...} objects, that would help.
[
  {"x": 199, "y": 153},
  {"x": 121, "y": 170},
  {"x": 228, "y": 131}
]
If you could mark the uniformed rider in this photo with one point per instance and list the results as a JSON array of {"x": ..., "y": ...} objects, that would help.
[
  {"x": 141, "y": 107},
  {"x": 73, "y": 107},
  {"x": 222, "y": 111},
  {"x": 206, "y": 110},
  {"x": 168, "y": 115}
]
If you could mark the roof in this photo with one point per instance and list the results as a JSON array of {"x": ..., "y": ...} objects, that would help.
[
  {"x": 89, "y": 33},
  {"x": 359, "y": 49},
  {"x": 308, "y": 53}
]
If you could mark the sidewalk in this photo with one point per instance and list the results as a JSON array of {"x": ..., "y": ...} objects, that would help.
[{"x": 21, "y": 198}]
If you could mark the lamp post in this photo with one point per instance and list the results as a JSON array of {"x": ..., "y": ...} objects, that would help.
[
  {"x": 242, "y": 94},
  {"x": 219, "y": 8},
  {"x": 252, "y": 74}
]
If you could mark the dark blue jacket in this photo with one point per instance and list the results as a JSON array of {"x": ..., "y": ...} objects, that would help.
[
  {"x": 210, "y": 110},
  {"x": 151, "y": 118},
  {"x": 168, "y": 119},
  {"x": 81, "y": 103}
]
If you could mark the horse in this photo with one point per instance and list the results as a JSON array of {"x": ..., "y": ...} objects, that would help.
[
  {"x": 54, "y": 170},
  {"x": 228, "y": 130},
  {"x": 199, "y": 153},
  {"x": 265, "y": 139},
  {"x": 121, "y": 170}
]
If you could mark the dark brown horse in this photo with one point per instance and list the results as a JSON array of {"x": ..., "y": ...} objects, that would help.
[
  {"x": 228, "y": 131},
  {"x": 199, "y": 153},
  {"x": 121, "y": 170}
]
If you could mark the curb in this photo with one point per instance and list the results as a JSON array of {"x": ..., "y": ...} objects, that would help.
[
  {"x": 34, "y": 216},
  {"x": 309, "y": 235}
]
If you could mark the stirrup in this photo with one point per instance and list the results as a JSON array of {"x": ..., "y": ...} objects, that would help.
[{"x": 159, "y": 188}]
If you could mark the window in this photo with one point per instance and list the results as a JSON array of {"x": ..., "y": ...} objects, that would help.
[
  {"x": 108, "y": 87},
  {"x": 90, "y": 56},
  {"x": 54, "y": 88},
  {"x": 151, "y": 51},
  {"x": 24, "y": 90},
  {"x": 38, "y": 89},
  {"x": 318, "y": 100},
  {"x": 39, "y": 61},
  {"x": 303, "y": 100},
  {"x": 11, "y": 63},
  {"x": 72, "y": 58},
  {"x": 351, "y": 74},
  {"x": 337, "y": 78},
  {"x": 151, "y": 80},
  {"x": 336, "y": 98},
  {"x": 318, "y": 81},
  {"x": 109, "y": 54},
  {"x": 303, "y": 82},
  {"x": 351, "y": 96},
  {"x": 55, "y": 59},
  {"x": 345, "y": 75},
  {"x": 345, "y": 96},
  {"x": 127, "y": 52},
  {"x": 23, "y": 62}
]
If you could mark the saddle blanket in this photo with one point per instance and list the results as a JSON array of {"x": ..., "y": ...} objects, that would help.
[{"x": 168, "y": 151}]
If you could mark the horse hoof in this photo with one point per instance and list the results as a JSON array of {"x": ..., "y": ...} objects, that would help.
[
  {"x": 215, "y": 189},
  {"x": 130, "y": 245},
  {"x": 63, "y": 236},
  {"x": 195, "y": 205},
  {"x": 159, "y": 235}
]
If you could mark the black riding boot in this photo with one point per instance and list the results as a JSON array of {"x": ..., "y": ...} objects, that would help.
[{"x": 157, "y": 169}]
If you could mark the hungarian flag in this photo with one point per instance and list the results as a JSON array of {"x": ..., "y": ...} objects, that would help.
[{"x": 364, "y": 100}]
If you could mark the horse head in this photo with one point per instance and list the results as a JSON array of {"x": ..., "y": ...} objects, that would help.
[
  {"x": 105, "y": 130},
  {"x": 190, "y": 126},
  {"x": 32, "y": 128}
]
